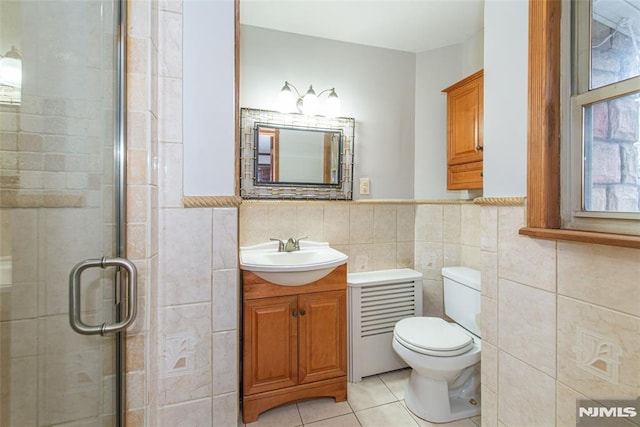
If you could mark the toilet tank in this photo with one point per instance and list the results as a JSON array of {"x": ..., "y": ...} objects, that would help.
[{"x": 462, "y": 297}]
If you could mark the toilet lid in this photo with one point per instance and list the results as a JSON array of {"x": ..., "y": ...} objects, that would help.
[{"x": 432, "y": 336}]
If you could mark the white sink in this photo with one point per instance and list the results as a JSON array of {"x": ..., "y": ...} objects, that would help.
[{"x": 312, "y": 262}]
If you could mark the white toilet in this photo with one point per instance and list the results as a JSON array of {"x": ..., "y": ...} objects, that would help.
[{"x": 445, "y": 357}]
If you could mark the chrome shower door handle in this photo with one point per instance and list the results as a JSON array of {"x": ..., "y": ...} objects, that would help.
[{"x": 131, "y": 302}]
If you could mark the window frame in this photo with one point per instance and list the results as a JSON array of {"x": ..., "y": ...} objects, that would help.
[
  {"x": 544, "y": 130},
  {"x": 577, "y": 93}
]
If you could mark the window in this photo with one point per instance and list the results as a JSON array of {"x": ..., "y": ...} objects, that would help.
[
  {"x": 600, "y": 135},
  {"x": 614, "y": 216}
]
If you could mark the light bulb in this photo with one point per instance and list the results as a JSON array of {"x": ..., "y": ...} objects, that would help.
[
  {"x": 310, "y": 102},
  {"x": 286, "y": 100}
]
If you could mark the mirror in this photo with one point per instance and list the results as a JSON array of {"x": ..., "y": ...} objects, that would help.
[
  {"x": 297, "y": 156},
  {"x": 293, "y": 156}
]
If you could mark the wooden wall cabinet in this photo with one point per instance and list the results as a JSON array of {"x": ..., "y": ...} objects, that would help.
[
  {"x": 465, "y": 133},
  {"x": 294, "y": 342}
]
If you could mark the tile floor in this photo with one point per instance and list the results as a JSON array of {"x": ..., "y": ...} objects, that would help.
[{"x": 376, "y": 401}]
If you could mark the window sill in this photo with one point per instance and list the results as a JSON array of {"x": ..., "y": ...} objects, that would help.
[{"x": 622, "y": 240}]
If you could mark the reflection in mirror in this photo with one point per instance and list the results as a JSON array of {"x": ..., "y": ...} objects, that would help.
[
  {"x": 303, "y": 156},
  {"x": 11, "y": 77},
  {"x": 293, "y": 156}
]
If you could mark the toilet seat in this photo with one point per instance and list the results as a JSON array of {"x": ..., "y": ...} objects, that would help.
[{"x": 432, "y": 336}]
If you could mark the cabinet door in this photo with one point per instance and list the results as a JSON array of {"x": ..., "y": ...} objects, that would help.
[
  {"x": 270, "y": 344},
  {"x": 464, "y": 122},
  {"x": 323, "y": 336}
]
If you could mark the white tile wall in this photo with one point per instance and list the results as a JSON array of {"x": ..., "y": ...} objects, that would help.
[
  {"x": 546, "y": 308},
  {"x": 527, "y": 326},
  {"x": 519, "y": 256},
  {"x": 526, "y": 396},
  {"x": 377, "y": 236}
]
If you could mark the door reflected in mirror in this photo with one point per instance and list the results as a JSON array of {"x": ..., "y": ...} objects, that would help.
[{"x": 303, "y": 156}]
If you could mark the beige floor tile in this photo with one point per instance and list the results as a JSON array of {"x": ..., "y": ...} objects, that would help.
[
  {"x": 321, "y": 409},
  {"x": 391, "y": 414},
  {"x": 348, "y": 420},
  {"x": 368, "y": 393},
  {"x": 465, "y": 422},
  {"x": 374, "y": 403},
  {"x": 397, "y": 381},
  {"x": 282, "y": 416}
]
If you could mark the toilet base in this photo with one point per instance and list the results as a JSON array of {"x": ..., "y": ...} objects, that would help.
[{"x": 432, "y": 400}]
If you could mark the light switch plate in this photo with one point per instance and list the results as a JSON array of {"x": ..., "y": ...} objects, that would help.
[{"x": 364, "y": 185}]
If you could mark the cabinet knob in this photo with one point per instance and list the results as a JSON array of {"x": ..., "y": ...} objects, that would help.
[
  {"x": 479, "y": 148},
  {"x": 294, "y": 314},
  {"x": 302, "y": 312}
]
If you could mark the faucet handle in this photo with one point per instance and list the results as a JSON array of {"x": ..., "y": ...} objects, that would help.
[
  {"x": 297, "y": 241},
  {"x": 280, "y": 244}
]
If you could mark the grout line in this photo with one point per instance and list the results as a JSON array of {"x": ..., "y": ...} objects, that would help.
[
  {"x": 299, "y": 414},
  {"x": 353, "y": 412},
  {"x": 387, "y": 387},
  {"x": 358, "y": 419}
]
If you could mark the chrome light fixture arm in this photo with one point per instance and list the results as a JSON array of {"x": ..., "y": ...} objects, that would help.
[{"x": 307, "y": 103}]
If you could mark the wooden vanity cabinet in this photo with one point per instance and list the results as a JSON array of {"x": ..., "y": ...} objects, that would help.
[
  {"x": 465, "y": 144},
  {"x": 294, "y": 342},
  {"x": 322, "y": 336},
  {"x": 271, "y": 353}
]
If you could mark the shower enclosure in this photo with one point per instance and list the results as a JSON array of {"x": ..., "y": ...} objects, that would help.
[{"x": 66, "y": 292}]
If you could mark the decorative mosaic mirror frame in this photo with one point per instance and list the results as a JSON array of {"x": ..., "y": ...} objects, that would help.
[{"x": 250, "y": 119}]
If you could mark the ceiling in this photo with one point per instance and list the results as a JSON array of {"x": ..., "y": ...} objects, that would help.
[{"x": 412, "y": 26}]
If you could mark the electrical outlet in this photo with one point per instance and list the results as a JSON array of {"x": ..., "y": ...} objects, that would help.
[{"x": 364, "y": 185}]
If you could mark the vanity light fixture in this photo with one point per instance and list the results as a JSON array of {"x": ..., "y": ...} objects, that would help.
[{"x": 308, "y": 104}]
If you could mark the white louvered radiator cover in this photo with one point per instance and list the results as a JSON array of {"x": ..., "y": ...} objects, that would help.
[{"x": 376, "y": 301}]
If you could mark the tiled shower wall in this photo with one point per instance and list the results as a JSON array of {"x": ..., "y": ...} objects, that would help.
[
  {"x": 182, "y": 354},
  {"x": 560, "y": 322},
  {"x": 142, "y": 206}
]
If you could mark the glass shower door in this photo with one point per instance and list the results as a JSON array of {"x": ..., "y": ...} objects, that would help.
[{"x": 61, "y": 127}]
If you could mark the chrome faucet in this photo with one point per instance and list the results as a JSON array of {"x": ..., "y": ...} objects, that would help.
[
  {"x": 280, "y": 244},
  {"x": 291, "y": 244},
  {"x": 296, "y": 242}
]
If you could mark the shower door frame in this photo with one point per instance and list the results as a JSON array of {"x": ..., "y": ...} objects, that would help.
[{"x": 120, "y": 158}]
